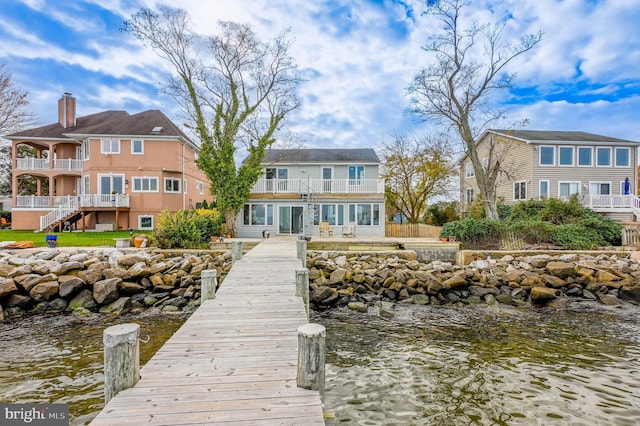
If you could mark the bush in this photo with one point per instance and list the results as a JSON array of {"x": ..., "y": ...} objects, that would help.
[
  {"x": 187, "y": 228},
  {"x": 567, "y": 224},
  {"x": 475, "y": 233}
]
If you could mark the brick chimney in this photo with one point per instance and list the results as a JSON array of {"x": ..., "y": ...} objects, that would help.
[{"x": 67, "y": 111}]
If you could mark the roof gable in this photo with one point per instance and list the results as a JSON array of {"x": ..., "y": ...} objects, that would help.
[{"x": 362, "y": 155}]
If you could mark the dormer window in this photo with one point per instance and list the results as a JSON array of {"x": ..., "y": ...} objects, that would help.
[{"x": 157, "y": 130}]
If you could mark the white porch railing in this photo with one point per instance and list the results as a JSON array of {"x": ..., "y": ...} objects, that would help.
[
  {"x": 86, "y": 200},
  {"x": 611, "y": 202},
  {"x": 46, "y": 164},
  {"x": 326, "y": 186},
  {"x": 65, "y": 206}
]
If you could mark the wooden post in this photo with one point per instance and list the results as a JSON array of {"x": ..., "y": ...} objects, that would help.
[
  {"x": 624, "y": 241},
  {"x": 236, "y": 251},
  {"x": 311, "y": 348},
  {"x": 302, "y": 287},
  {"x": 302, "y": 251},
  {"x": 208, "y": 284},
  {"x": 121, "y": 358}
]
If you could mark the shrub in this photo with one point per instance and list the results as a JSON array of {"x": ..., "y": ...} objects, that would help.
[
  {"x": 186, "y": 228},
  {"x": 475, "y": 233},
  {"x": 533, "y": 231}
]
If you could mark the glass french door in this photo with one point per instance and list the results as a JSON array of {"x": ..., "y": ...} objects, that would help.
[{"x": 291, "y": 219}]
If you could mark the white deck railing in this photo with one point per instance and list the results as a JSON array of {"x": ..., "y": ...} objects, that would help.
[
  {"x": 46, "y": 164},
  {"x": 323, "y": 186},
  {"x": 86, "y": 200},
  {"x": 66, "y": 206},
  {"x": 611, "y": 202}
]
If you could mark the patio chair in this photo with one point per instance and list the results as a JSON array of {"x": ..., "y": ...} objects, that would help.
[
  {"x": 326, "y": 228},
  {"x": 349, "y": 231},
  {"x": 4, "y": 224}
]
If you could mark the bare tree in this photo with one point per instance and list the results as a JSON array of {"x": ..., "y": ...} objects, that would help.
[
  {"x": 235, "y": 89},
  {"x": 468, "y": 66},
  {"x": 416, "y": 170},
  {"x": 14, "y": 116}
]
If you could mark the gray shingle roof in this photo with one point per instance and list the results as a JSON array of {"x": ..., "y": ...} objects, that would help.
[
  {"x": 559, "y": 136},
  {"x": 362, "y": 155},
  {"x": 109, "y": 123}
]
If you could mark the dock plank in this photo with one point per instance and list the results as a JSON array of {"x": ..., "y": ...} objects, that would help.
[{"x": 234, "y": 361}]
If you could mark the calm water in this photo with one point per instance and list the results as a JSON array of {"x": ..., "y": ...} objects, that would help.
[
  {"x": 58, "y": 359},
  {"x": 484, "y": 366},
  {"x": 426, "y": 366}
]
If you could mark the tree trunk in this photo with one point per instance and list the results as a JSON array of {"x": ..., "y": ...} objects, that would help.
[{"x": 230, "y": 219}]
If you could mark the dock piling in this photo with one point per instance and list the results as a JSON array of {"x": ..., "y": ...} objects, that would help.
[
  {"x": 121, "y": 358},
  {"x": 208, "y": 284},
  {"x": 311, "y": 350},
  {"x": 302, "y": 286},
  {"x": 302, "y": 251},
  {"x": 236, "y": 251}
]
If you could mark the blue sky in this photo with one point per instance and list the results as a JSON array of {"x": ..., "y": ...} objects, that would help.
[{"x": 358, "y": 57}]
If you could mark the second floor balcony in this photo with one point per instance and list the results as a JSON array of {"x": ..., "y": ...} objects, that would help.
[
  {"x": 85, "y": 200},
  {"x": 46, "y": 164},
  {"x": 318, "y": 186}
]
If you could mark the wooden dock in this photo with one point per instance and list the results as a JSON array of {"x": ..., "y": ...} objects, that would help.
[{"x": 234, "y": 360}]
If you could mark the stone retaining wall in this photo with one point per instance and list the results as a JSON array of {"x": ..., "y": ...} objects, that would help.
[
  {"x": 104, "y": 280},
  {"x": 342, "y": 278}
]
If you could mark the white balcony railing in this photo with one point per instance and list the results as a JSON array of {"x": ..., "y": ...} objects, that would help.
[
  {"x": 326, "y": 186},
  {"x": 86, "y": 200},
  {"x": 46, "y": 164},
  {"x": 611, "y": 202}
]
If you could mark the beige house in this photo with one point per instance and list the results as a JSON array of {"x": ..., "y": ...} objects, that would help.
[
  {"x": 105, "y": 171},
  {"x": 536, "y": 164},
  {"x": 304, "y": 191}
]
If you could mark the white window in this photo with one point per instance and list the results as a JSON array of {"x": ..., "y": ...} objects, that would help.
[
  {"x": 200, "y": 188},
  {"x": 111, "y": 184},
  {"x": 603, "y": 157},
  {"x": 85, "y": 149},
  {"x": 566, "y": 189},
  {"x": 470, "y": 195},
  {"x": 622, "y": 157},
  {"x": 544, "y": 189},
  {"x": 469, "y": 170},
  {"x": 258, "y": 214},
  {"x": 171, "y": 185},
  {"x": 137, "y": 146},
  {"x": 585, "y": 156},
  {"x": 565, "y": 156},
  {"x": 110, "y": 146},
  {"x": 520, "y": 191},
  {"x": 364, "y": 214},
  {"x": 145, "y": 184},
  {"x": 145, "y": 222},
  {"x": 599, "y": 188},
  {"x": 332, "y": 213},
  {"x": 547, "y": 156}
]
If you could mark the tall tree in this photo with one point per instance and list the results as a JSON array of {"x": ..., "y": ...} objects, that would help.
[
  {"x": 14, "y": 116},
  {"x": 468, "y": 67},
  {"x": 416, "y": 170},
  {"x": 235, "y": 90}
]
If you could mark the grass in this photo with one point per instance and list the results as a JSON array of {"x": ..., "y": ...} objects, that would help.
[{"x": 66, "y": 239}]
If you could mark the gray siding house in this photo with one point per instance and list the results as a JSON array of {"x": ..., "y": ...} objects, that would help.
[
  {"x": 601, "y": 170},
  {"x": 300, "y": 188}
]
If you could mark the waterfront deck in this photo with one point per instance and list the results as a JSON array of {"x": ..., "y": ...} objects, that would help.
[{"x": 234, "y": 360}]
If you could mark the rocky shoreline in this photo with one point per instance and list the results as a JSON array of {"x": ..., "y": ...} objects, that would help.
[
  {"x": 109, "y": 280},
  {"x": 360, "y": 280},
  {"x": 105, "y": 280}
]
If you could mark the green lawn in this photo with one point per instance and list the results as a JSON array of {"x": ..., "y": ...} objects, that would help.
[{"x": 66, "y": 239}]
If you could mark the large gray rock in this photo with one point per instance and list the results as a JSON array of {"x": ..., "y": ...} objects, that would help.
[
  {"x": 129, "y": 288},
  {"x": 561, "y": 269},
  {"x": 84, "y": 299},
  {"x": 45, "y": 267},
  {"x": 44, "y": 291},
  {"x": 139, "y": 270},
  {"x": 17, "y": 301},
  {"x": 7, "y": 288},
  {"x": 28, "y": 281},
  {"x": 542, "y": 295},
  {"x": 67, "y": 267},
  {"x": 106, "y": 291},
  {"x": 337, "y": 276},
  {"x": 90, "y": 276},
  {"x": 70, "y": 285},
  {"x": 120, "y": 306},
  {"x": 132, "y": 259},
  {"x": 630, "y": 293}
]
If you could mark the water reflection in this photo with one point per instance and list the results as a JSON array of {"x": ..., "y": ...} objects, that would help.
[
  {"x": 59, "y": 359},
  {"x": 449, "y": 366}
]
